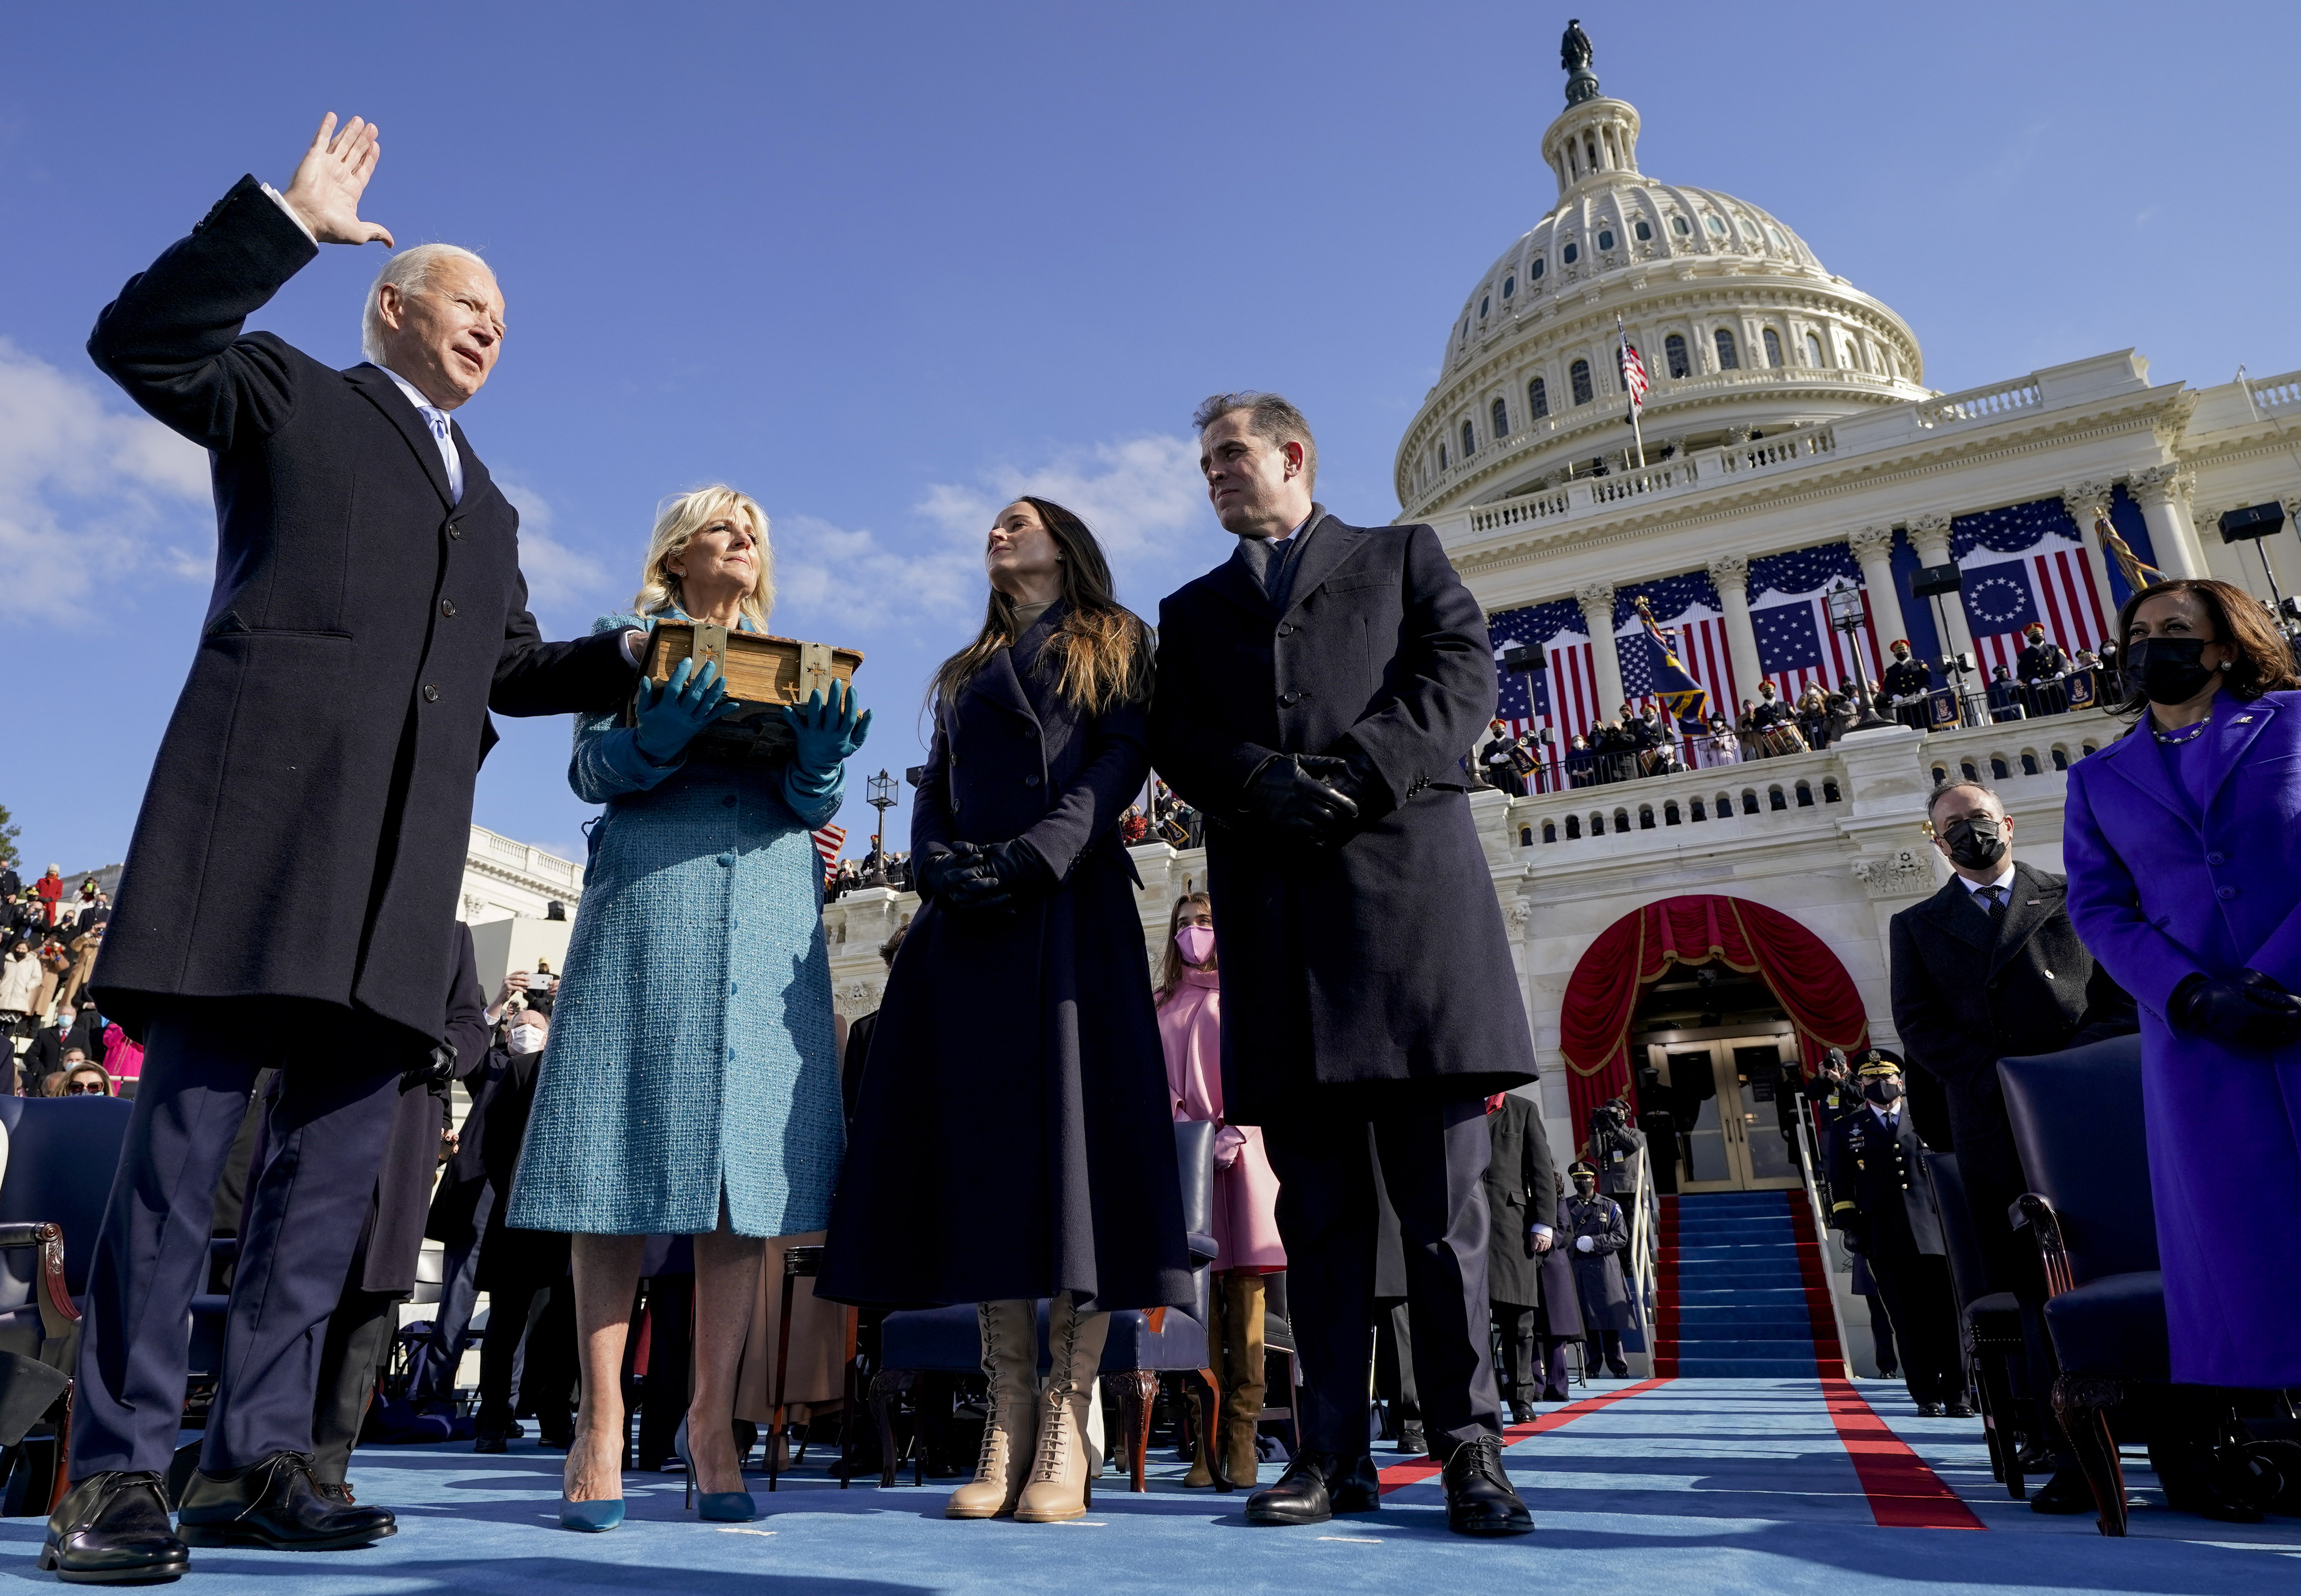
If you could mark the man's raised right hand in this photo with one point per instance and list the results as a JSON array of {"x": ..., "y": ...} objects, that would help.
[{"x": 325, "y": 191}]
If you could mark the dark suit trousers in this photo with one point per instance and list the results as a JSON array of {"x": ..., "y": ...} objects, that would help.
[
  {"x": 302, "y": 1221},
  {"x": 1918, "y": 1297},
  {"x": 1434, "y": 1161}
]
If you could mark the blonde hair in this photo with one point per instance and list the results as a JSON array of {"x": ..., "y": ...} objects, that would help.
[{"x": 676, "y": 523}]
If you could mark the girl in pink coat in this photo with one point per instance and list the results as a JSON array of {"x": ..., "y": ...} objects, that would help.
[{"x": 1245, "y": 1191}]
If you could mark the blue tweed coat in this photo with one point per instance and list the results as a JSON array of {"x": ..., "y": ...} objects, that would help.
[{"x": 691, "y": 1047}]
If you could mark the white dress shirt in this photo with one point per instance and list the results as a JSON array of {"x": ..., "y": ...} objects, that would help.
[
  {"x": 2004, "y": 883},
  {"x": 437, "y": 420}
]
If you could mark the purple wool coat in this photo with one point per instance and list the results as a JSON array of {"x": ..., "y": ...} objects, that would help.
[{"x": 2159, "y": 890}]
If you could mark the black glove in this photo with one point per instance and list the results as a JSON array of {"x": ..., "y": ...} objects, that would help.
[
  {"x": 2247, "y": 1010},
  {"x": 944, "y": 875},
  {"x": 1291, "y": 796},
  {"x": 1004, "y": 871},
  {"x": 1856, "y": 1230}
]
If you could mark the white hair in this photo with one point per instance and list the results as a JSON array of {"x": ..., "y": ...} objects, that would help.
[{"x": 408, "y": 271}]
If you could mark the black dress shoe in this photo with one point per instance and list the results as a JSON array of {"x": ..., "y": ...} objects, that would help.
[
  {"x": 1929, "y": 1410},
  {"x": 2196, "y": 1491},
  {"x": 492, "y": 1440},
  {"x": 113, "y": 1530},
  {"x": 275, "y": 1503},
  {"x": 1315, "y": 1487},
  {"x": 2037, "y": 1455},
  {"x": 1411, "y": 1440},
  {"x": 1479, "y": 1498},
  {"x": 1960, "y": 1408},
  {"x": 2066, "y": 1492},
  {"x": 1521, "y": 1412}
]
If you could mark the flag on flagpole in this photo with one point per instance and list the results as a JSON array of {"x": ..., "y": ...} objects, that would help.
[
  {"x": 1634, "y": 383},
  {"x": 1672, "y": 683},
  {"x": 2138, "y": 572}
]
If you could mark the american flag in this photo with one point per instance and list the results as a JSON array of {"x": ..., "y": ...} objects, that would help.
[
  {"x": 1563, "y": 697},
  {"x": 1797, "y": 647},
  {"x": 828, "y": 842},
  {"x": 1633, "y": 373},
  {"x": 2024, "y": 563}
]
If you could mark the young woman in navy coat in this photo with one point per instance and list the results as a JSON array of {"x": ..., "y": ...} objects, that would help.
[
  {"x": 2182, "y": 841},
  {"x": 1013, "y": 1140}
]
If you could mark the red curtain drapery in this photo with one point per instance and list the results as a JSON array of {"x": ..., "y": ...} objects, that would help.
[{"x": 1601, "y": 998}]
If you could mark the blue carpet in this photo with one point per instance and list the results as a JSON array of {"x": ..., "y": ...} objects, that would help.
[
  {"x": 1730, "y": 1272},
  {"x": 1694, "y": 1486}
]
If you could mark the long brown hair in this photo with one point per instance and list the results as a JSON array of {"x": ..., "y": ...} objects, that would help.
[
  {"x": 2263, "y": 662},
  {"x": 1172, "y": 969},
  {"x": 1100, "y": 654}
]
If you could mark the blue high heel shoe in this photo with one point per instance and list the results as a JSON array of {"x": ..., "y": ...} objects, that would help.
[
  {"x": 720, "y": 1507},
  {"x": 591, "y": 1516}
]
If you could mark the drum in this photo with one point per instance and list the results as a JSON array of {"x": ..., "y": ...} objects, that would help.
[{"x": 1775, "y": 741}]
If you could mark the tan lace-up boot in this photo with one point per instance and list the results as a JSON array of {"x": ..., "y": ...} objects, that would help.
[
  {"x": 1010, "y": 1419},
  {"x": 1243, "y": 1382},
  {"x": 1062, "y": 1479}
]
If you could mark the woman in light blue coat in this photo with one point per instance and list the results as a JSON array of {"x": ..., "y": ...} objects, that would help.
[{"x": 692, "y": 1084}]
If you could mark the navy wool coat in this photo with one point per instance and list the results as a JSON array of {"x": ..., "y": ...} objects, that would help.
[
  {"x": 1521, "y": 1192},
  {"x": 308, "y": 814},
  {"x": 2163, "y": 886},
  {"x": 1382, "y": 965},
  {"x": 1012, "y": 1134}
]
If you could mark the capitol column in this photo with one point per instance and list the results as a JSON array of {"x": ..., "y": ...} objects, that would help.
[
  {"x": 1729, "y": 573},
  {"x": 1597, "y": 602},
  {"x": 2163, "y": 491},
  {"x": 2086, "y": 501},
  {"x": 1930, "y": 536},
  {"x": 1873, "y": 551}
]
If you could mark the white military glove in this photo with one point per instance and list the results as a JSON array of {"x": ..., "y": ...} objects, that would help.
[{"x": 1584, "y": 1244}]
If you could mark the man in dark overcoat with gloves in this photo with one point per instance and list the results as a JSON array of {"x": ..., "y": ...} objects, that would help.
[
  {"x": 1522, "y": 1230},
  {"x": 1317, "y": 695},
  {"x": 296, "y": 863}
]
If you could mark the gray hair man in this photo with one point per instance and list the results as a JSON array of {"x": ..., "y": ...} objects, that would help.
[{"x": 297, "y": 859}]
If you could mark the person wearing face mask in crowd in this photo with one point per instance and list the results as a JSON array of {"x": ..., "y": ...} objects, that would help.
[
  {"x": 1245, "y": 1192},
  {"x": 2185, "y": 880},
  {"x": 1991, "y": 967},
  {"x": 1597, "y": 1233},
  {"x": 1882, "y": 1202},
  {"x": 2041, "y": 666},
  {"x": 516, "y": 1265},
  {"x": 1905, "y": 685}
]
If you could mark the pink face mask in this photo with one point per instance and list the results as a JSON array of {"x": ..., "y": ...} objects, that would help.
[{"x": 1197, "y": 943}]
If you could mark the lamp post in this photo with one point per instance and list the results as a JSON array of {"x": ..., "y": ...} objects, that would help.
[
  {"x": 1848, "y": 612},
  {"x": 881, "y": 790}
]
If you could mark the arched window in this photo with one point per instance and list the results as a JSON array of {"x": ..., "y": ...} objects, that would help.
[
  {"x": 1670, "y": 815},
  {"x": 1606, "y": 238},
  {"x": 1573, "y": 827},
  {"x": 1470, "y": 440},
  {"x": 1673, "y": 354},
  {"x": 1829, "y": 793},
  {"x": 1571, "y": 252},
  {"x": 1486, "y": 302},
  {"x": 1535, "y": 269},
  {"x": 1642, "y": 230},
  {"x": 1813, "y": 350},
  {"x": 1699, "y": 813},
  {"x": 1749, "y": 801},
  {"x": 1501, "y": 419},
  {"x": 1997, "y": 767},
  {"x": 1510, "y": 286},
  {"x": 1645, "y": 817},
  {"x": 1537, "y": 398},
  {"x": 1852, "y": 358},
  {"x": 1550, "y": 829},
  {"x": 1579, "y": 374},
  {"x": 1443, "y": 461},
  {"x": 1805, "y": 795},
  {"x": 2028, "y": 764},
  {"x": 1776, "y": 799},
  {"x": 1727, "y": 360},
  {"x": 1773, "y": 347}
]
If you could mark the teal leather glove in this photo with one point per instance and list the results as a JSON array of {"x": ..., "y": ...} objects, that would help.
[
  {"x": 671, "y": 712},
  {"x": 827, "y": 731}
]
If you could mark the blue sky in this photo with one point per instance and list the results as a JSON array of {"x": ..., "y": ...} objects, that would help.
[{"x": 884, "y": 266}]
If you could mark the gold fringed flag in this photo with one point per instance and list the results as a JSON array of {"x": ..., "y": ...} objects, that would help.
[{"x": 2139, "y": 574}]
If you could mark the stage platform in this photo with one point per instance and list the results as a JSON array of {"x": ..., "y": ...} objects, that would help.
[{"x": 1684, "y": 1486}]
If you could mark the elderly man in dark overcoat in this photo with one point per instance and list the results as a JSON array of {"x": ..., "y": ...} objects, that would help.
[
  {"x": 296, "y": 863},
  {"x": 1522, "y": 1230},
  {"x": 1317, "y": 695}
]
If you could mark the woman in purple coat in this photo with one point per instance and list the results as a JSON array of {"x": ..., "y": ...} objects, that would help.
[{"x": 2182, "y": 841}]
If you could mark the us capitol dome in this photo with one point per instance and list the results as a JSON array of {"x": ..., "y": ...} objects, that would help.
[{"x": 1741, "y": 330}]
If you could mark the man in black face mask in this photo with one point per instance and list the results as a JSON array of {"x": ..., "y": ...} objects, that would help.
[
  {"x": 1880, "y": 1198},
  {"x": 1905, "y": 684},
  {"x": 1990, "y": 967}
]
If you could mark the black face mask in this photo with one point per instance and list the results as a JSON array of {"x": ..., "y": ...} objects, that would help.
[
  {"x": 1584, "y": 1185},
  {"x": 2168, "y": 668},
  {"x": 1882, "y": 1091},
  {"x": 1976, "y": 841}
]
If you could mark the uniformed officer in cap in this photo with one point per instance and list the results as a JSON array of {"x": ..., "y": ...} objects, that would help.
[
  {"x": 1905, "y": 684},
  {"x": 1880, "y": 1198},
  {"x": 1597, "y": 1235}
]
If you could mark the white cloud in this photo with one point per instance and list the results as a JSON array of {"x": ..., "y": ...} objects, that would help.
[
  {"x": 559, "y": 576},
  {"x": 90, "y": 498},
  {"x": 1141, "y": 496}
]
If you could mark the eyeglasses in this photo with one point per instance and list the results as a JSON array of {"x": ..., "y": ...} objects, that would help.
[{"x": 73, "y": 1088}]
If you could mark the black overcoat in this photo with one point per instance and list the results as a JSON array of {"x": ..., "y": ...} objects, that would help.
[
  {"x": 1013, "y": 1136},
  {"x": 307, "y": 818},
  {"x": 1376, "y": 965},
  {"x": 512, "y": 1259},
  {"x": 1879, "y": 1176},
  {"x": 1561, "y": 1302},
  {"x": 1521, "y": 1192},
  {"x": 1598, "y": 1278}
]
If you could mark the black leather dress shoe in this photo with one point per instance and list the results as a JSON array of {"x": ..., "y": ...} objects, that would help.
[
  {"x": 2037, "y": 1455},
  {"x": 1315, "y": 1487},
  {"x": 1480, "y": 1497},
  {"x": 1929, "y": 1410},
  {"x": 1411, "y": 1440},
  {"x": 275, "y": 1503},
  {"x": 1521, "y": 1412},
  {"x": 1960, "y": 1408},
  {"x": 2066, "y": 1492},
  {"x": 113, "y": 1530}
]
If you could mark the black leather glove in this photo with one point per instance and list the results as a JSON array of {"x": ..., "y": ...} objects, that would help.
[
  {"x": 2246, "y": 1010},
  {"x": 1856, "y": 1233},
  {"x": 944, "y": 875},
  {"x": 1003, "y": 872},
  {"x": 1288, "y": 796}
]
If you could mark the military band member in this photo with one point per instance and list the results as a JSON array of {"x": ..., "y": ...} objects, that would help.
[
  {"x": 2041, "y": 666},
  {"x": 1881, "y": 1200},
  {"x": 1497, "y": 760},
  {"x": 1598, "y": 1235},
  {"x": 1905, "y": 685}
]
